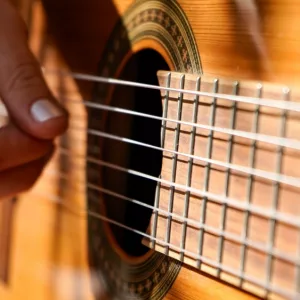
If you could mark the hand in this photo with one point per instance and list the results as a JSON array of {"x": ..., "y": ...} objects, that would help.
[{"x": 26, "y": 142}]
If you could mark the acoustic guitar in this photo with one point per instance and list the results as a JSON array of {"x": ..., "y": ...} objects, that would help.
[{"x": 179, "y": 175}]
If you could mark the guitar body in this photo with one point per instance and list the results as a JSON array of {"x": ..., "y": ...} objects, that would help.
[{"x": 58, "y": 247}]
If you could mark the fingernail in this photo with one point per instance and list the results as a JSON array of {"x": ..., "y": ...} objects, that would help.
[{"x": 44, "y": 110}]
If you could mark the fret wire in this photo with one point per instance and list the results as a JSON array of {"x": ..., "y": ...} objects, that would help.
[
  {"x": 207, "y": 171},
  {"x": 212, "y": 230},
  {"x": 272, "y": 140},
  {"x": 214, "y": 197},
  {"x": 218, "y": 199},
  {"x": 293, "y": 106},
  {"x": 250, "y": 185},
  {"x": 292, "y": 181},
  {"x": 227, "y": 179},
  {"x": 174, "y": 163},
  {"x": 276, "y": 189},
  {"x": 163, "y": 137},
  {"x": 190, "y": 168},
  {"x": 225, "y": 204},
  {"x": 210, "y": 262}
]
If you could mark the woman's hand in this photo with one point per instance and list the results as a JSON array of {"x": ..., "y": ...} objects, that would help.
[{"x": 26, "y": 142}]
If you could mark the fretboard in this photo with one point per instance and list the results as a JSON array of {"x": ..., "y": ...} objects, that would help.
[{"x": 228, "y": 198}]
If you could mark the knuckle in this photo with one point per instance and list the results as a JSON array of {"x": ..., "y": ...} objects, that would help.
[
  {"x": 30, "y": 180},
  {"x": 23, "y": 76},
  {"x": 27, "y": 185},
  {"x": 13, "y": 142},
  {"x": 41, "y": 149}
]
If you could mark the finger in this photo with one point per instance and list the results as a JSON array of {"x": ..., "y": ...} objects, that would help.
[
  {"x": 18, "y": 148},
  {"x": 20, "y": 179},
  {"x": 22, "y": 86}
]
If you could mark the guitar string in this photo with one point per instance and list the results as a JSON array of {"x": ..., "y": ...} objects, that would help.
[
  {"x": 285, "y": 179},
  {"x": 273, "y": 103},
  {"x": 271, "y": 287},
  {"x": 208, "y": 261},
  {"x": 220, "y": 199},
  {"x": 218, "y": 95},
  {"x": 196, "y": 224},
  {"x": 277, "y": 141},
  {"x": 267, "y": 175},
  {"x": 122, "y": 225},
  {"x": 285, "y": 142}
]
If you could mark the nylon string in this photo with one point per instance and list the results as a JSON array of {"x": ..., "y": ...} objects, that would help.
[{"x": 210, "y": 262}]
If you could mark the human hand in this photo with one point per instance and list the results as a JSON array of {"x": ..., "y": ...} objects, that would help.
[{"x": 35, "y": 117}]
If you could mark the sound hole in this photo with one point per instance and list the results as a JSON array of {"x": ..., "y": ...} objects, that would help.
[{"x": 142, "y": 67}]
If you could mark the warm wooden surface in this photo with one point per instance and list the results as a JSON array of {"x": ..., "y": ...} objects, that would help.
[
  {"x": 191, "y": 287},
  {"x": 226, "y": 48},
  {"x": 49, "y": 259},
  {"x": 223, "y": 41},
  {"x": 261, "y": 191},
  {"x": 6, "y": 213},
  {"x": 6, "y": 230}
]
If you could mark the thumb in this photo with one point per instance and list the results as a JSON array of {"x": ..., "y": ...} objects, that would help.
[{"x": 22, "y": 87}]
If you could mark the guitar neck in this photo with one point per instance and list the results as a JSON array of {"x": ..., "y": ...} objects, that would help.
[{"x": 228, "y": 191}]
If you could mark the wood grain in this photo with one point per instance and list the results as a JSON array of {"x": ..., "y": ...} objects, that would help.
[
  {"x": 49, "y": 255},
  {"x": 189, "y": 286},
  {"x": 226, "y": 47},
  {"x": 6, "y": 219},
  {"x": 209, "y": 224}
]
